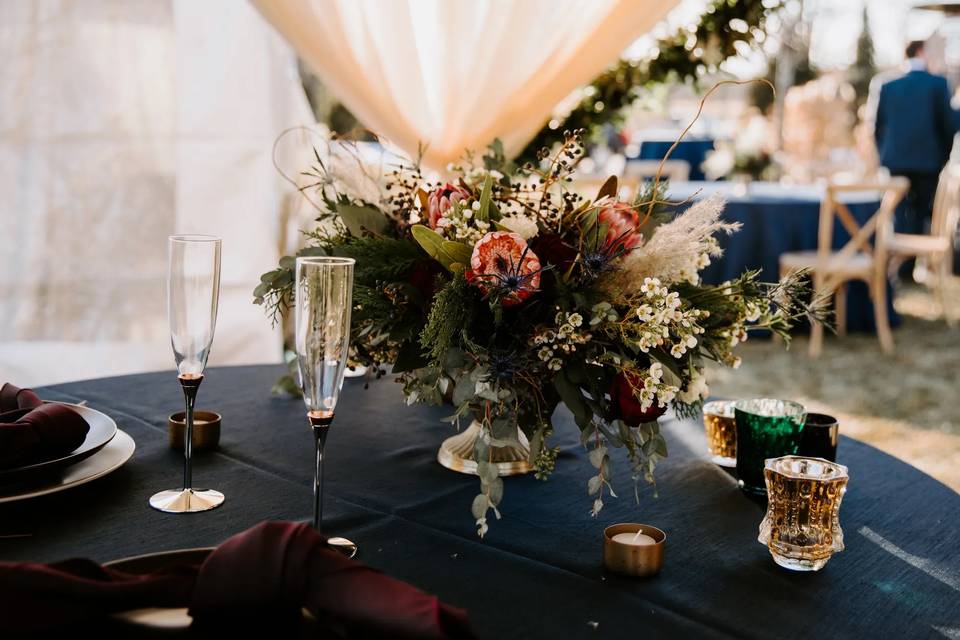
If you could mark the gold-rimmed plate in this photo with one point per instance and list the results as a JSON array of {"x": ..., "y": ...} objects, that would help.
[
  {"x": 166, "y": 619},
  {"x": 108, "y": 459},
  {"x": 156, "y": 617}
]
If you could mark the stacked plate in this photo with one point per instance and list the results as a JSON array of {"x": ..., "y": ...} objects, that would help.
[{"x": 105, "y": 449}]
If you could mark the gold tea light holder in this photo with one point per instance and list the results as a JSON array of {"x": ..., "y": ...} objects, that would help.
[
  {"x": 206, "y": 430},
  {"x": 633, "y": 549}
]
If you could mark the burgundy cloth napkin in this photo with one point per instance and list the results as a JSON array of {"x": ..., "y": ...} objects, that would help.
[
  {"x": 260, "y": 578},
  {"x": 32, "y": 432}
]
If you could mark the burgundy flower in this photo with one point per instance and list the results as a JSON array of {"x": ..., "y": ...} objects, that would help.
[
  {"x": 627, "y": 406},
  {"x": 441, "y": 199},
  {"x": 622, "y": 220},
  {"x": 503, "y": 264},
  {"x": 552, "y": 249},
  {"x": 423, "y": 277}
]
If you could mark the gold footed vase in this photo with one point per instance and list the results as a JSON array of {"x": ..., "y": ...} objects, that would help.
[{"x": 456, "y": 453}]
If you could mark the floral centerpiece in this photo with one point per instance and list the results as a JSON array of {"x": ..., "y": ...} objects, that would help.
[{"x": 504, "y": 292}]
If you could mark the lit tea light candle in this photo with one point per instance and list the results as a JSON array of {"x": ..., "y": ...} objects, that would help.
[{"x": 637, "y": 538}]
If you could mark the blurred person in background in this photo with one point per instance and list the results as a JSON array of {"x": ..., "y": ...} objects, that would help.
[{"x": 914, "y": 128}]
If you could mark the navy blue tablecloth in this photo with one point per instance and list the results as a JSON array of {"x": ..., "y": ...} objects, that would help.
[
  {"x": 693, "y": 151},
  {"x": 538, "y": 572},
  {"x": 773, "y": 225}
]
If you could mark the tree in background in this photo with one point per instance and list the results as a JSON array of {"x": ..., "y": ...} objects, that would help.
[{"x": 864, "y": 67}]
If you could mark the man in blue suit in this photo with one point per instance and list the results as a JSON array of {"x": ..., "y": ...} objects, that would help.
[{"x": 914, "y": 131}]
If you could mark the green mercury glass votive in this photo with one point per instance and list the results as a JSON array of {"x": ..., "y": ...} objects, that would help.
[{"x": 766, "y": 428}]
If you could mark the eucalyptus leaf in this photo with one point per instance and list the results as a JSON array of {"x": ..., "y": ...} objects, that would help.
[
  {"x": 661, "y": 445},
  {"x": 594, "y": 484},
  {"x": 487, "y": 471},
  {"x": 596, "y": 456},
  {"x": 462, "y": 391},
  {"x": 480, "y": 505},
  {"x": 495, "y": 491},
  {"x": 359, "y": 217},
  {"x": 503, "y": 429}
]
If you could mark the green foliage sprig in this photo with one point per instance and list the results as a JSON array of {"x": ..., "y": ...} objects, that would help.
[{"x": 726, "y": 27}]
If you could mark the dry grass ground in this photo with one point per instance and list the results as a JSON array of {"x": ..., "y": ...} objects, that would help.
[{"x": 907, "y": 404}]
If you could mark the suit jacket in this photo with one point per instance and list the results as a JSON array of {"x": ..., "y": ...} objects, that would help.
[{"x": 915, "y": 124}]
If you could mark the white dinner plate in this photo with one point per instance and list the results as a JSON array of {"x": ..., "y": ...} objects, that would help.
[{"x": 109, "y": 458}]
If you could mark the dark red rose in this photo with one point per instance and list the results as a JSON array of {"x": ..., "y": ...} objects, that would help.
[
  {"x": 627, "y": 407},
  {"x": 423, "y": 277},
  {"x": 551, "y": 249}
]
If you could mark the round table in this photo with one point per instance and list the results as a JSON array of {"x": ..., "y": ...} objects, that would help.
[
  {"x": 537, "y": 574},
  {"x": 692, "y": 150},
  {"x": 778, "y": 218}
]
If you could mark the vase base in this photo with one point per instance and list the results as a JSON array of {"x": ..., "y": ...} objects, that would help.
[{"x": 456, "y": 454}]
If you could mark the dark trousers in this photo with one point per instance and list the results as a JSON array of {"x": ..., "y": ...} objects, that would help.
[{"x": 914, "y": 212}]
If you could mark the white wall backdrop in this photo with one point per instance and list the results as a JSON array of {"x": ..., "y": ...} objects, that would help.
[{"x": 122, "y": 122}]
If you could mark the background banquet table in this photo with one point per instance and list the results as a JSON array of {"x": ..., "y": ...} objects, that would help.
[
  {"x": 537, "y": 573},
  {"x": 776, "y": 219},
  {"x": 692, "y": 150}
]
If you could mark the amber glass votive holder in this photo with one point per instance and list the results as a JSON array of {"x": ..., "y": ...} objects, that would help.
[
  {"x": 721, "y": 427},
  {"x": 802, "y": 525},
  {"x": 639, "y": 560}
]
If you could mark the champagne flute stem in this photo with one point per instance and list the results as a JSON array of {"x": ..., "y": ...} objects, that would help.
[
  {"x": 190, "y": 386},
  {"x": 321, "y": 426}
]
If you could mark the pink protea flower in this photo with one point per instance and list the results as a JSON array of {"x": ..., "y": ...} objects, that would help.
[
  {"x": 503, "y": 265},
  {"x": 622, "y": 221},
  {"x": 441, "y": 199}
]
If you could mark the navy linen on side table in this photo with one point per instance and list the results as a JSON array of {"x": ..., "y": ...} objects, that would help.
[
  {"x": 537, "y": 574},
  {"x": 772, "y": 226}
]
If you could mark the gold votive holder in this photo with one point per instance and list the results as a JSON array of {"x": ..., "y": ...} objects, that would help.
[
  {"x": 629, "y": 558},
  {"x": 720, "y": 423},
  {"x": 206, "y": 430}
]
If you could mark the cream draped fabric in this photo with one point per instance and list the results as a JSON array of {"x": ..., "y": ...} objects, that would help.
[
  {"x": 455, "y": 74},
  {"x": 122, "y": 122}
]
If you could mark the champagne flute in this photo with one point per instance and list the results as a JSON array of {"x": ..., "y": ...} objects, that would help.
[
  {"x": 193, "y": 290},
  {"x": 323, "y": 301}
]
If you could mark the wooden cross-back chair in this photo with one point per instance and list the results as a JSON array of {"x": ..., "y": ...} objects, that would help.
[
  {"x": 864, "y": 257},
  {"x": 936, "y": 248}
]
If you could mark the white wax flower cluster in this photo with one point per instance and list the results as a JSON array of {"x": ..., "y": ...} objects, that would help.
[
  {"x": 459, "y": 223},
  {"x": 654, "y": 389},
  {"x": 697, "y": 388},
  {"x": 563, "y": 339},
  {"x": 662, "y": 323}
]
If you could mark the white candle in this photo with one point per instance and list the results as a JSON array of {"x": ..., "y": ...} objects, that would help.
[{"x": 634, "y": 538}]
